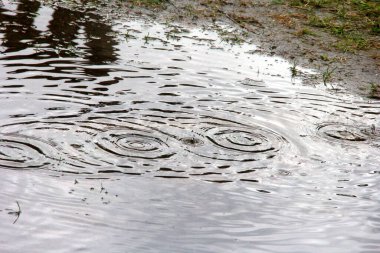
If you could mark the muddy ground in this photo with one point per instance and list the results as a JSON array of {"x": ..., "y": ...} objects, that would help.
[{"x": 267, "y": 25}]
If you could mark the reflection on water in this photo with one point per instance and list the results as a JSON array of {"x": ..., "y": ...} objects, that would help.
[{"x": 117, "y": 129}]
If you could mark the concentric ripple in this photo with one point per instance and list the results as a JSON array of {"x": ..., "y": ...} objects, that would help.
[
  {"x": 134, "y": 143},
  {"x": 82, "y": 146},
  {"x": 192, "y": 141},
  {"x": 232, "y": 143},
  {"x": 22, "y": 152},
  {"x": 347, "y": 133}
]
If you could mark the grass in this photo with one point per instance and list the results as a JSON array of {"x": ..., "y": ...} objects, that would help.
[
  {"x": 293, "y": 70},
  {"x": 327, "y": 75},
  {"x": 374, "y": 91},
  {"x": 147, "y": 38},
  {"x": 325, "y": 57},
  {"x": 233, "y": 39},
  {"x": 129, "y": 36},
  {"x": 354, "y": 23},
  {"x": 148, "y": 3},
  {"x": 305, "y": 31}
]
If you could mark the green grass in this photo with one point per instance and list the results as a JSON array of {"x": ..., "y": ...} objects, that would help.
[
  {"x": 374, "y": 91},
  {"x": 325, "y": 57},
  {"x": 327, "y": 75},
  {"x": 149, "y": 3},
  {"x": 305, "y": 31},
  {"x": 277, "y": 1},
  {"x": 354, "y": 23},
  {"x": 293, "y": 69}
]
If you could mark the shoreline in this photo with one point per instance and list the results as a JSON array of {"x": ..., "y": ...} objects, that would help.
[{"x": 355, "y": 72}]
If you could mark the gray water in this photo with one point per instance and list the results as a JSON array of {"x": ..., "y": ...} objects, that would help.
[{"x": 139, "y": 136}]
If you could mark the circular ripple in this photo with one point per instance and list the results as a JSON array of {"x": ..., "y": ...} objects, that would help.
[
  {"x": 82, "y": 146},
  {"x": 245, "y": 144},
  {"x": 192, "y": 141},
  {"x": 134, "y": 143},
  {"x": 22, "y": 152},
  {"x": 51, "y": 145},
  {"x": 347, "y": 133}
]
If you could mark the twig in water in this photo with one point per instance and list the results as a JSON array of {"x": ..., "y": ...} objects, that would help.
[
  {"x": 17, "y": 213},
  {"x": 101, "y": 187}
]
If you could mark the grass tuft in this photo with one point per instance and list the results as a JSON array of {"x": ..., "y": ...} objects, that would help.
[
  {"x": 327, "y": 75},
  {"x": 374, "y": 91}
]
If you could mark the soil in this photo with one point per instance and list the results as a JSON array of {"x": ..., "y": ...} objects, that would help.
[{"x": 267, "y": 26}]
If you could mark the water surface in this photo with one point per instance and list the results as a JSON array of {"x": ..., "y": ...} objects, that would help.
[{"x": 138, "y": 136}]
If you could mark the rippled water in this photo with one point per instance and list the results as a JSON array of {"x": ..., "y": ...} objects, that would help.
[{"x": 151, "y": 137}]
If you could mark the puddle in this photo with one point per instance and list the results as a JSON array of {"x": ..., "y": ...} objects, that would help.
[{"x": 158, "y": 137}]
